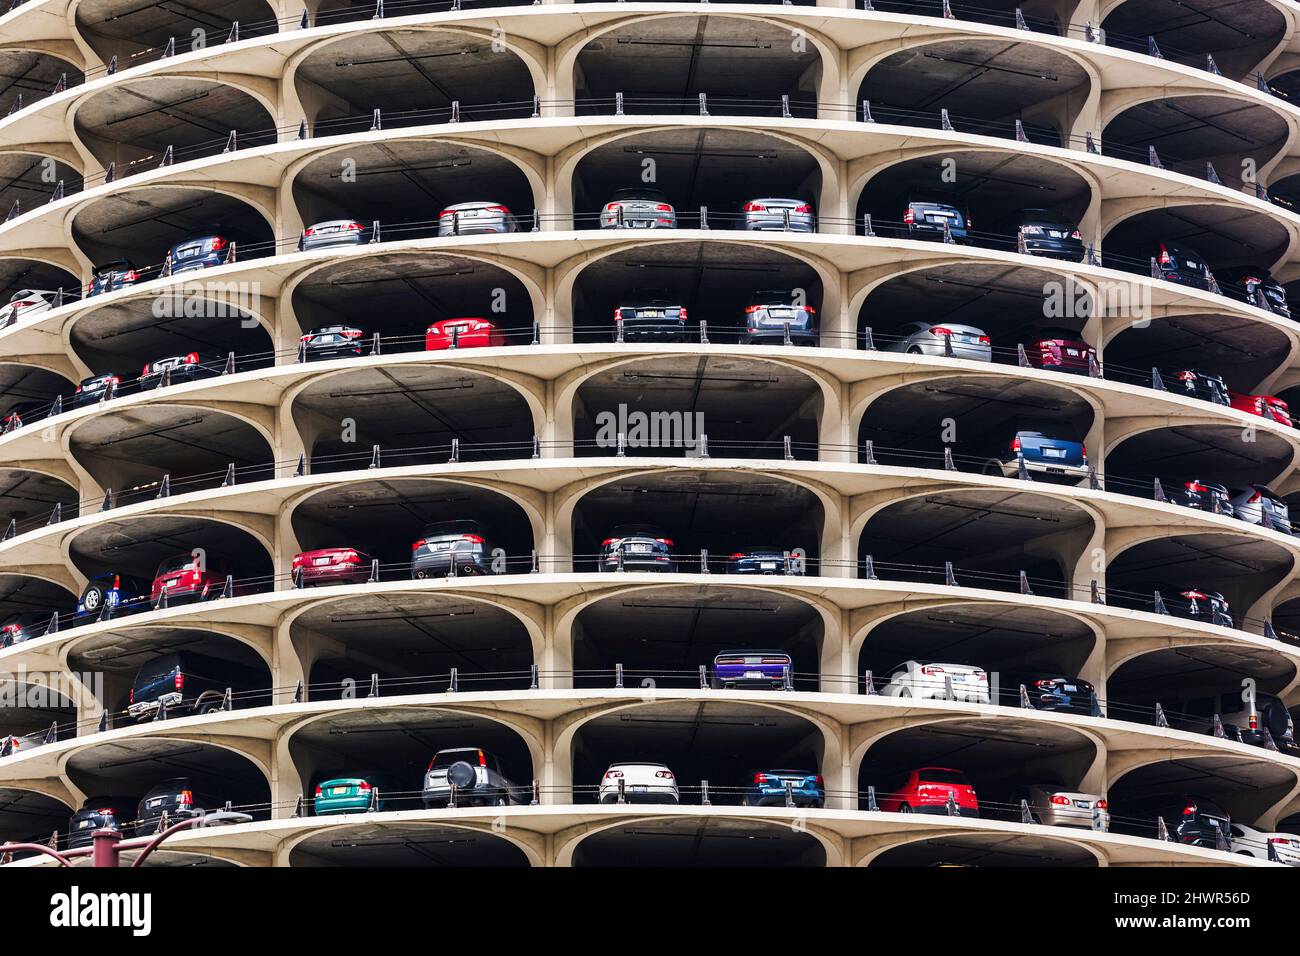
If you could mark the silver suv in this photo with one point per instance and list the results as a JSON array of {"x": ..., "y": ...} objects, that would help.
[{"x": 477, "y": 776}]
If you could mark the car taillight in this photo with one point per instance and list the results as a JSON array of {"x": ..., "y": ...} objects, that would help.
[
  {"x": 482, "y": 759},
  {"x": 663, "y": 207},
  {"x": 1102, "y": 805},
  {"x": 1015, "y": 446},
  {"x": 682, "y": 313},
  {"x": 1164, "y": 257},
  {"x": 218, "y": 243},
  {"x": 755, "y": 207},
  {"x": 130, "y": 699},
  {"x": 417, "y": 545},
  {"x": 1083, "y": 450},
  {"x": 614, "y": 773},
  {"x": 760, "y": 778},
  {"x": 297, "y": 560},
  {"x": 501, "y": 209},
  {"x": 1196, "y": 486},
  {"x": 909, "y": 216},
  {"x": 738, "y": 555},
  {"x": 1189, "y": 810},
  {"x": 179, "y": 680},
  {"x": 319, "y": 791},
  {"x": 364, "y": 786},
  {"x": 968, "y": 222},
  {"x": 1076, "y": 235},
  {"x": 819, "y": 781},
  {"x": 985, "y": 340},
  {"x": 611, "y": 207},
  {"x": 1254, "y": 499},
  {"x": 1254, "y": 721},
  {"x": 185, "y": 798},
  {"x": 305, "y": 338},
  {"x": 751, "y": 309},
  {"x": 130, "y": 276},
  {"x": 192, "y": 358},
  {"x": 147, "y": 366},
  {"x": 1060, "y": 801},
  {"x": 353, "y": 227},
  {"x": 1186, "y": 376},
  {"x": 803, "y": 208},
  {"x": 607, "y": 542},
  {"x": 350, "y": 557},
  {"x": 472, "y": 538},
  {"x": 667, "y": 542},
  {"x": 664, "y": 774},
  {"x": 940, "y": 330}
]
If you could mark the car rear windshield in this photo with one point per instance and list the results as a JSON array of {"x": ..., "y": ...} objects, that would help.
[
  {"x": 178, "y": 563},
  {"x": 157, "y": 668},
  {"x": 445, "y": 758},
  {"x": 943, "y": 776},
  {"x": 775, "y": 297},
  {"x": 450, "y": 527}
]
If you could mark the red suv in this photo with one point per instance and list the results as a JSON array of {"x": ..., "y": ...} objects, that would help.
[
  {"x": 1060, "y": 351},
  {"x": 464, "y": 333},
  {"x": 1266, "y": 406},
  {"x": 927, "y": 790},
  {"x": 331, "y": 566},
  {"x": 186, "y": 578}
]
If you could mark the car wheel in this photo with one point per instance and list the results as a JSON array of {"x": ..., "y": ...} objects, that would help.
[
  {"x": 904, "y": 808},
  {"x": 914, "y": 350},
  {"x": 209, "y": 707},
  {"x": 421, "y": 574},
  {"x": 905, "y": 692},
  {"x": 993, "y": 467},
  {"x": 92, "y": 599}
]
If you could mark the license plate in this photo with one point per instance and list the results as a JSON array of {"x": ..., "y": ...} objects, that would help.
[
  {"x": 1056, "y": 234},
  {"x": 338, "y": 791},
  {"x": 767, "y": 565},
  {"x": 156, "y": 802},
  {"x": 754, "y": 674},
  {"x": 326, "y": 339},
  {"x": 442, "y": 546},
  {"x": 968, "y": 339},
  {"x": 639, "y": 548},
  {"x": 85, "y": 823},
  {"x": 1073, "y": 353},
  {"x": 188, "y": 251},
  {"x": 1192, "y": 265},
  {"x": 320, "y": 561},
  {"x": 650, "y": 313},
  {"x": 639, "y": 788},
  {"x": 1071, "y": 688},
  {"x": 1083, "y": 804},
  {"x": 1053, "y": 452}
]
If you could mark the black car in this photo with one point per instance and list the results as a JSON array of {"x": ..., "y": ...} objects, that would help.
[
  {"x": 1206, "y": 386},
  {"x": 111, "y": 276},
  {"x": 191, "y": 683},
  {"x": 1209, "y": 606},
  {"x": 24, "y": 626},
  {"x": 182, "y": 368},
  {"x": 99, "y": 813},
  {"x": 640, "y": 547},
  {"x": 1204, "y": 496},
  {"x": 651, "y": 314},
  {"x": 1046, "y": 234},
  {"x": 1048, "y": 692},
  {"x": 1182, "y": 266},
  {"x": 91, "y": 390},
  {"x": 21, "y": 413},
  {"x": 333, "y": 341},
  {"x": 1256, "y": 285},
  {"x": 764, "y": 560},
  {"x": 180, "y": 798},
  {"x": 927, "y": 220},
  {"x": 1239, "y": 720},
  {"x": 465, "y": 543},
  {"x": 1191, "y": 820}
]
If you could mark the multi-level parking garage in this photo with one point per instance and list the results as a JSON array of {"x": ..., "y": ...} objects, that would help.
[{"x": 876, "y": 471}]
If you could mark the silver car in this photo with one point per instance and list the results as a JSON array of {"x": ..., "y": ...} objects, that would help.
[
  {"x": 931, "y": 338},
  {"x": 476, "y": 774},
  {"x": 25, "y": 303},
  {"x": 785, "y": 215},
  {"x": 333, "y": 232},
  {"x": 1057, "y": 807},
  {"x": 1259, "y": 504},
  {"x": 475, "y": 219},
  {"x": 638, "y": 209}
]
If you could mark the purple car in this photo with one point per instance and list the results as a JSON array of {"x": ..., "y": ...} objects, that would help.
[{"x": 763, "y": 669}]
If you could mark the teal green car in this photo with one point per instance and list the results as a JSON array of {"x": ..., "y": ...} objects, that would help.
[{"x": 351, "y": 795}]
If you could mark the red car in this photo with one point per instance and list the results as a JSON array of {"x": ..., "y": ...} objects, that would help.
[
  {"x": 331, "y": 566},
  {"x": 927, "y": 790},
  {"x": 1063, "y": 354},
  {"x": 1266, "y": 406},
  {"x": 185, "y": 578},
  {"x": 466, "y": 333}
]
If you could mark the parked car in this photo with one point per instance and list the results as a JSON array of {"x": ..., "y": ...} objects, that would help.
[
  {"x": 1202, "y": 606},
  {"x": 181, "y": 798},
  {"x": 464, "y": 543},
  {"x": 463, "y": 333},
  {"x": 22, "y": 412},
  {"x": 642, "y": 547},
  {"x": 1252, "y": 842},
  {"x": 1043, "y": 455},
  {"x": 1205, "y": 496},
  {"x": 1206, "y": 386},
  {"x": 1255, "y": 285},
  {"x": 926, "y": 220},
  {"x": 1240, "y": 721},
  {"x": 333, "y": 341},
  {"x": 189, "y": 682},
  {"x": 98, "y": 813},
  {"x": 13, "y": 744},
  {"x": 189, "y": 367},
  {"x": 751, "y": 669},
  {"x": 1192, "y": 820},
  {"x": 1050, "y": 691},
  {"x": 476, "y": 774},
  {"x": 930, "y": 681},
  {"x": 1182, "y": 266},
  {"x": 767, "y": 788},
  {"x": 331, "y": 566},
  {"x": 764, "y": 560},
  {"x": 1054, "y": 806},
  {"x": 333, "y": 232},
  {"x": 24, "y": 304},
  {"x": 927, "y": 789},
  {"x": 111, "y": 276},
  {"x": 787, "y": 215},
  {"x": 1265, "y": 406},
  {"x": 92, "y": 390},
  {"x": 1261, "y": 505},
  {"x": 648, "y": 314},
  {"x": 24, "y": 626},
  {"x": 354, "y": 793},
  {"x": 120, "y": 592},
  {"x": 1061, "y": 351},
  {"x": 771, "y": 311},
  {"x": 188, "y": 577},
  {"x": 638, "y": 208},
  {"x": 643, "y": 782},
  {"x": 929, "y": 338},
  {"x": 205, "y": 250},
  {"x": 475, "y": 219},
  {"x": 1046, "y": 234}
]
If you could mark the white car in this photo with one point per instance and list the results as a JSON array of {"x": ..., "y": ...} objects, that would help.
[
  {"x": 475, "y": 219},
  {"x": 1056, "y": 807},
  {"x": 1252, "y": 842},
  {"x": 333, "y": 232},
  {"x": 25, "y": 303},
  {"x": 642, "y": 783},
  {"x": 930, "y": 682},
  {"x": 931, "y": 338}
]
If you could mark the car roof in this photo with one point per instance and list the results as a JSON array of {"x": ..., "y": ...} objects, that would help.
[{"x": 755, "y": 650}]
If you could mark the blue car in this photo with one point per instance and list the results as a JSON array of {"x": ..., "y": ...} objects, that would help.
[
  {"x": 1042, "y": 454},
  {"x": 112, "y": 276},
  {"x": 125, "y": 595},
  {"x": 200, "y": 252},
  {"x": 767, "y": 788}
]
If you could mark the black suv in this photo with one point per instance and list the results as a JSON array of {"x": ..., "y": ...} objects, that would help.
[
  {"x": 1239, "y": 721},
  {"x": 191, "y": 683},
  {"x": 1254, "y": 284},
  {"x": 180, "y": 798},
  {"x": 1204, "y": 496},
  {"x": 1191, "y": 819},
  {"x": 648, "y": 314},
  {"x": 98, "y": 813},
  {"x": 1047, "y": 234},
  {"x": 1182, "y": 266}
]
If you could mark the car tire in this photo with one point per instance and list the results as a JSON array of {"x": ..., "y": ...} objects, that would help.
[
  {"x": 421, "y": 574},
  {"x": 914, "y": 350},
  {"x": 93, "y": 598},
  {"x": 993, "y": 467},
  {"x": 904, "y": 808}
]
